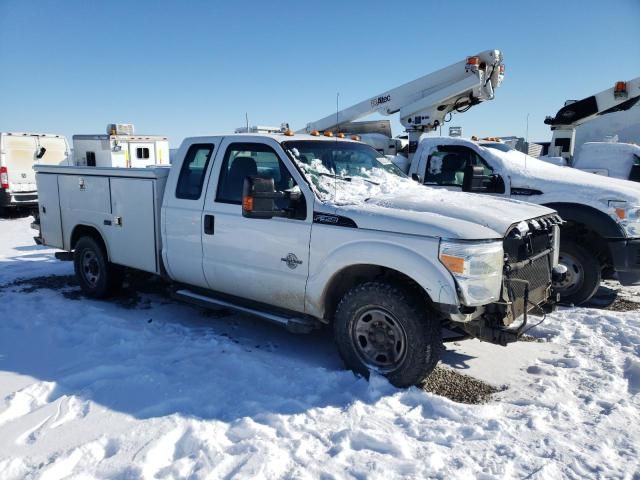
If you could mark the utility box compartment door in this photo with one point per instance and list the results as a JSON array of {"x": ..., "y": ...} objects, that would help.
[
  {"x": 49, "y": 206},
  {"x": 132, "y": 234}
]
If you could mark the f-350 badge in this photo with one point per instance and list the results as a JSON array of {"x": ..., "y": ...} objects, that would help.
[{"x": 292, "y": 261}]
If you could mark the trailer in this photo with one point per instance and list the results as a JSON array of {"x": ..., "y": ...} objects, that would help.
[{"x": 120, "y": 147}]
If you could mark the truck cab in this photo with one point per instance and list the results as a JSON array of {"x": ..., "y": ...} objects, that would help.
[
  {"x": 601, "y": 233},
  {"x": 309, "y": 230}
]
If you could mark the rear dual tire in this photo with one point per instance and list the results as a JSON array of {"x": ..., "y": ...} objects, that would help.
[{"x": 385, "y": 329}]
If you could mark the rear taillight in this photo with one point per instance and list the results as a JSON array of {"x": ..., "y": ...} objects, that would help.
[{"x": 4, "y": 178}]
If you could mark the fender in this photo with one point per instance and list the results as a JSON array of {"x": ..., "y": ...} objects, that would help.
[
  {"x": 68, "y": 236},
  {"x": 600, "y": 222},
  {"x": 435, "y": 279}
]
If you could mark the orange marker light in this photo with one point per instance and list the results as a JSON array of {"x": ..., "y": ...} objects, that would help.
[
  {"x": 340, "y": 135},
  {"x": 453, "y": 264},
  {"x": 315, "y": 133},
  {"x": 620, "y": 213},
  {"x": 620, "y": 87},
  {"x": 328, "y": 134},
  {"x": 247, "y": 203},
  {"x": 355, "y": 137},
  {"x": 288, "y": 132},
  {"x": 475, "y": 61}
]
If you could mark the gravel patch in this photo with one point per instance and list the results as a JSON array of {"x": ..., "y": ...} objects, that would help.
[
  {"x": 622, "y": 305},
  {"x": 458, "y": 387}
]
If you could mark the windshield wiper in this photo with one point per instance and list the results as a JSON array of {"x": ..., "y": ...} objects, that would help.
[
  {"x": 362, "y": 178},
  {"x": 332, "y": 175}
]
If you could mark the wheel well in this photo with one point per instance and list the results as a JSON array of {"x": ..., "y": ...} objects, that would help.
[
  {"x": 589, "y": 227},
  {"x": 86, "y": 231},
  {"x": 349, "y": 277},
  {"x": 588, "y": 238}
]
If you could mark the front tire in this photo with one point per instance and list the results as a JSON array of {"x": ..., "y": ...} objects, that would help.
[
  {"x": 97, "y": 277},
  {"x": 583, "y": 273},
  {"x": 379, "y": 327}
]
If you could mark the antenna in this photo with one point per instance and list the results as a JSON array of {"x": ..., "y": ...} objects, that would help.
[
  {"x": 246, "y": 118},
  {"x": 337, "y": 112},
  {"x": 526, "y": 141}
]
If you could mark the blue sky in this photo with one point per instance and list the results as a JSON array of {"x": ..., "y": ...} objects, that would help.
[{"x": 186, "y": 68}]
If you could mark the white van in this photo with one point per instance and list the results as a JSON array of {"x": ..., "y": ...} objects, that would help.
[{"x": 18, "y": 153}]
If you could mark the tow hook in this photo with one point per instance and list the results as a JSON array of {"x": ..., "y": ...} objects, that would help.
[{"x": 559, "y": 274}]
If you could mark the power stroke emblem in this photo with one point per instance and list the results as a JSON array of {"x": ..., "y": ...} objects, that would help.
[{"x": 292, "y": 261}]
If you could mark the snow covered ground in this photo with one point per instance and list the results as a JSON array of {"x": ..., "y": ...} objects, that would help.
[{"x": 143, "y": 387}]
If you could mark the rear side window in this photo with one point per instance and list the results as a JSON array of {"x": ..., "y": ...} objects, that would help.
[
  {"x": 193, "y": 171},
  {"x": 91, "y": 159}
]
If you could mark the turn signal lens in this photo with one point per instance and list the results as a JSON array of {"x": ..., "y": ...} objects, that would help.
[
  {"x": 247, "y": 203},
  {"x": 453, "y": 264},
  {"x": 621, "y": 213}
]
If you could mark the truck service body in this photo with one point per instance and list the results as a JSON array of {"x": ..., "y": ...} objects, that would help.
[
  {"x": 308, "y": 230},
  {"x": 601, "y": 235}
]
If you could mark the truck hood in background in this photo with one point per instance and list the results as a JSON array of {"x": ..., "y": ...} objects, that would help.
[
  {"x": 441, "y": 213},
  {"x": 564, "y": 184}
]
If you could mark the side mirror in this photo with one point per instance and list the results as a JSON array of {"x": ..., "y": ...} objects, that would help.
[
  {"x": 474, "y": 179},
  {"x": 258, "y": 198},
  {"x": 416, "y": 177}
]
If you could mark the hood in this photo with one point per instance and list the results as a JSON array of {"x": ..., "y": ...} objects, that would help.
[
  {"x": 441, "y": 213},
  {"x": 564, "y": 184}
]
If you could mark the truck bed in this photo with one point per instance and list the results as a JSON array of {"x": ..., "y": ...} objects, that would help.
[{"x": 122, "y": 204}]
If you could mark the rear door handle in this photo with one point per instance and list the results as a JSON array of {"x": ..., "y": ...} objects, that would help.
[{"x": 209, "y": 224}]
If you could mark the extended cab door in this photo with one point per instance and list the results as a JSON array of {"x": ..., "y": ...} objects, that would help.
[
  {"x": 445, "y": 167},
  {"x": 182, "y": 213},
  {"x": 264, "y": 260}
]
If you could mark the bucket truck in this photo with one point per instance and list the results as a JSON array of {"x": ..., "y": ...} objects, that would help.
[
  {"x": 605, "y": 158},
  {"x": 427, "y": 102}
]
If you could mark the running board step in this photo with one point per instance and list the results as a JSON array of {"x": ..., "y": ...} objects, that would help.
[{"x": 293, "y": 324}]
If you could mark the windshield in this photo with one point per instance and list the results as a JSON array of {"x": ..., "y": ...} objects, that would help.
[
  {"x": 342, "y": 171},
  {"x": 503, "y": 147}
]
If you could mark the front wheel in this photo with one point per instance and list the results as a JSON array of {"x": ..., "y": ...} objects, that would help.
[
  {"x": 97, "y": 277},
  {"x": 583, "y": 273},
  {"x": 381, "y": 328}
]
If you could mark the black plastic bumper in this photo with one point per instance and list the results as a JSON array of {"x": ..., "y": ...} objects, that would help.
[
  {"x": 626, "y": 260},
  {"x": 29, "y": 199}
]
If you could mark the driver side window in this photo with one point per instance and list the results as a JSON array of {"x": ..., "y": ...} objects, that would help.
[{"x": 447, "y": 165}]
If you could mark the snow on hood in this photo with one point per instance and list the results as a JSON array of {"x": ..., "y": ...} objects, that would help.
[
  {"x": 564, "y": 184},
  {"x": 386, "y": 201}
]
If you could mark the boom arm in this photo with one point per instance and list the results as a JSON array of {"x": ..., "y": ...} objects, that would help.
[
  {"x": 424, "y": 103},
  {"x": 622, "y": 96}
]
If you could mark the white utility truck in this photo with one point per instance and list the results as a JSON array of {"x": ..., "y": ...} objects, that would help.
[
  {"x": 120, "y": 147},
  {"x": 614, "y": 159},
  {"x": 601, "y": 233},
  {"x": 308, "y": 230},
  {"x": 427, "y": 102},
  {"x": 18, "y": 153}
]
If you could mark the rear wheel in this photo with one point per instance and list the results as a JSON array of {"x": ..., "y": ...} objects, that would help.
[
  {"x": 583, "y": 273},
  {"x": 381, "y": 328},
  {"x": 97, "y": 277}
]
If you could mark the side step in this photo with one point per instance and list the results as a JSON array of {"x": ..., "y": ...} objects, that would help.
[{"x": 294, "y": 325}]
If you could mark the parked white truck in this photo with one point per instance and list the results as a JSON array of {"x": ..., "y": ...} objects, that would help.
[
  {"x": 309, "y": 230},
  {"x": 601, "y": 233},
  {"x": 18, "y": 153}
]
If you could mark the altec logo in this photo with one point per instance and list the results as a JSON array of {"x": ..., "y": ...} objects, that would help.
[{"x": 380, "y": 100}]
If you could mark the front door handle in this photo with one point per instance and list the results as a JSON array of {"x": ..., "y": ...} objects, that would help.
[{"x": 208, "y": 224}]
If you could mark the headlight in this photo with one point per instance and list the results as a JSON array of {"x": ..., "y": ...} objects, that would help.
[
  {"x": 627, "y": 216},
  {"x": 477, "y": 268}
]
